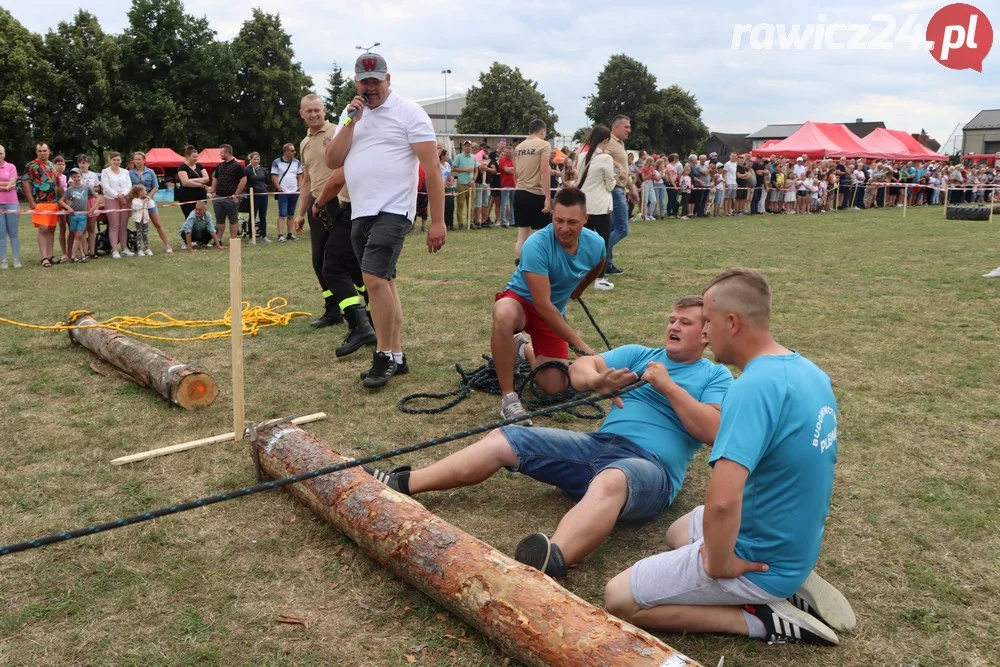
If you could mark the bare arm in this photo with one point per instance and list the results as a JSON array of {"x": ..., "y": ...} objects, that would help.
[
  {"x": 426, "y": 152},
  {"x": 545, "y": 176},
  {"x": 587, "y": 279},
  {"x": 331, "y": 188},
  {"x": 240, "y": 187},
  {"x": 274, "y": 182},
  {"x": 305, "y": 199},
  {"x": 541, "y": 295},
  {"x": 723, "y": 505}
]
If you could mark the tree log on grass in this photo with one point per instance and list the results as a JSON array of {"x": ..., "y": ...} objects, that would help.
[
  {"x": 527, "y": 614},
  {"x": 145, "y": 365}
]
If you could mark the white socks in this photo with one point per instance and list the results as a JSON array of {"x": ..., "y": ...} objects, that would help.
[
  {"x": 397, "y": 357},
  {"x": 755, "y": 626}
]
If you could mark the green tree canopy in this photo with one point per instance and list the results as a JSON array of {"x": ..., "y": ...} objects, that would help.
[
  {"x": 504, "y": 102},
  {"x": 269, "y": 85},
  {"x": 663, "y": 119},
  {"x": 25, "y": 76},
  {"x": 340, "y": 91}
]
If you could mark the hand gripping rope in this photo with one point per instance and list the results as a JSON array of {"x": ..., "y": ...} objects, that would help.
[
  {"x": 280, "y": 483},
  {"x": 485, "y": 379}
]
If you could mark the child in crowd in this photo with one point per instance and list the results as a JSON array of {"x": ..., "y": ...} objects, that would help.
[
  {"x": 685, "y": 192},
  {"x": 79, "y": 201},
  {"x": 790, "y": 187},
  {"x": 140, "y": 205},
  {"x": 720, "y": 193}
]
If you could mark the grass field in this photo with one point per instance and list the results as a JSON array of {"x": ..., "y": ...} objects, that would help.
[{"x": 894, "y": 310}]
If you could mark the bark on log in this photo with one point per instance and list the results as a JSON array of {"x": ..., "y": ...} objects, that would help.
[
  {"x": 527, "y": 614},
  {"x": 145, "y": 365}
]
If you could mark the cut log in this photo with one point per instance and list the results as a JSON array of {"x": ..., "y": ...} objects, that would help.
[
  {"x": 527, "y": 614},
  {"x": 145, "y": 365}
]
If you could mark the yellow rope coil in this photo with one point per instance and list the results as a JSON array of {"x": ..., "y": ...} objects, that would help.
[{"x": 255, "y": 318}]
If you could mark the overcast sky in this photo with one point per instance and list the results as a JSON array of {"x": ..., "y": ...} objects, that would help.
[{"x": 564, "y": 45}]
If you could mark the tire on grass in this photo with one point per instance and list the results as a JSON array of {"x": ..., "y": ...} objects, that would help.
[{"x": 968, "y": 213}]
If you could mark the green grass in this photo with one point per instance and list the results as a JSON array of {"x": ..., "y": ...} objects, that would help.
[{"x": 894, "y": 310}]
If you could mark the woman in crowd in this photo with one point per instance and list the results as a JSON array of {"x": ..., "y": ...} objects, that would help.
[
  {"x": 597, "y": 180},
  {"x": 450, "y": 189},
  {"x": 141, "y": 174},
  {"x": 257, "y": 180},
  {"x": 9, "y": 211},
  {"x": 92, "y": 180},
  {"x": 116, "y": 183},
  {"x": 194, "y": 181}
]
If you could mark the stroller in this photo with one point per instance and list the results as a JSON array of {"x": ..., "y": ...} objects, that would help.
[
  {"x": 102, "y": 244},
  {"x": 244, "y": 217}
]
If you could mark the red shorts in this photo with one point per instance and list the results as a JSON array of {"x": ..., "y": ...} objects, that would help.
[{"x": 543, "y": 339}]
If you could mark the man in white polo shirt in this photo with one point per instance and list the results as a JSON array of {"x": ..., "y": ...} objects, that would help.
[{"x": 381, "y": 139}]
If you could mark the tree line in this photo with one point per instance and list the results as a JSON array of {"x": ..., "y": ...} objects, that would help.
[{"x": 168, "y": 80}]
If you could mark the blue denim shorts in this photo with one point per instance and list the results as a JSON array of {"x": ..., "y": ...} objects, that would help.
[
  {"x": 286, "y": 205},
  {"x": 78, "y": 222},
  {"x": 570, "y": 460}
]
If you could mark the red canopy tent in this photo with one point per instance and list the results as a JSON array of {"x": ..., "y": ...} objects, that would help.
[
  {"x": 819, "y": 140},
  {"x": 768, "y": 144},
  {"x": 917, "y": 148},
  {"x": 210, "y": 158},
  {"x": 162, "y": 158}
]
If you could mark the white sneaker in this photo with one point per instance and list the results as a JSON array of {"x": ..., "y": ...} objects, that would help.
[
  {"x": 995, "y": 273},
  {"x": 149, "y": 251},
  {"x": 116, "y": 255},
  {"x": 603, "y": 285},
  {"x": 3, "y": 264},
  {"x": 128, "y": 253},
  {"x": 170, "y": 251},
  {"x": 184, "y": 245},
  {"x": 141, "y": 253},
  {"x": 17, "y": 264},
  {"x": 264, "y": 239}
]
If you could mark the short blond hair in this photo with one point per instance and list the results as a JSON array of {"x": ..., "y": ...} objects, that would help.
[
  {"x": 688, "y": 301},
  {"x": 744, "y": 292}
]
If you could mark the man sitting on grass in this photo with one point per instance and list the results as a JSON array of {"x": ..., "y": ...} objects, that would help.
[
  {"x": 199, "y": 228},
  {"x": 557, "y": 264},
  {"x": 754, "y": 542},
  {"x": 631, "y": 468}
]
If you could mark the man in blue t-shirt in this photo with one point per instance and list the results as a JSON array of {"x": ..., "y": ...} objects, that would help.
[
  {"x": 555, "y": 267},
  {"x": 631, "y": 468},
  {"x": 742, "y": 563}
]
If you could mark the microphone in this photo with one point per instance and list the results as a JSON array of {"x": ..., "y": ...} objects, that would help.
[{"x": 354, "y": 112}]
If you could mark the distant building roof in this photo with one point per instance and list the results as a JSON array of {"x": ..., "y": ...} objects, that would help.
[
  {"x": 734, "y": 142},
  {"x": 988, "y": 119},
  {"x": 785, "y": 130}
]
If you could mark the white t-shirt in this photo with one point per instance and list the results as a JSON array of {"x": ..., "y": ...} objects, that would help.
[
  {"x": 799, "y": 169},
  {"x": 381, "y": 168},
  {"x": 287, "y": 173},
  {"x": 730, "y": 169},
  {"x": 91, "y": 179}
]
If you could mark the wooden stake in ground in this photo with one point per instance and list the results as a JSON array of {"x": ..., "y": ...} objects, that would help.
[
  {"x": 236, "y": 313},
  {"x": 145, "y": 365},
  {"x": 253, "y": 228},
  {"x": 201, "y": 442},
  {"x": 906, "y": 195},
  {"x": 527, "y": 614}
]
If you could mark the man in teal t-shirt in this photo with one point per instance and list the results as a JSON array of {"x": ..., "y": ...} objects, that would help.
[
  {"x": 463, "y": 168},
  {"x": 630, "y": 469},
  {"x": 742, "y": 563}
]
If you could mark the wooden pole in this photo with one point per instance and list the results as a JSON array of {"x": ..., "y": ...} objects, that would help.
[
  {"x": 527, "y": 614},
  {"x": 947, "y": 200},
  {"x": 906, "y": 195},
  {"x": 253, "y": 228},
  {"x": 236, "y": 337},
  {"x": 201, "y": 442},
  {"x": 145, "y": 365}
]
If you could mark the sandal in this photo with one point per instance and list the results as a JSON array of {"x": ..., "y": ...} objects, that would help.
[
  {"x": 63, "y": 260},
  {"x": 46, "y": 262},
  {"x": 53, "y": 261}
]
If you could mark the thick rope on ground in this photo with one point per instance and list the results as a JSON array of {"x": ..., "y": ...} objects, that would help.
[
  {"x": 255, "y": 319},
  {"x": 485, "y": 379}
]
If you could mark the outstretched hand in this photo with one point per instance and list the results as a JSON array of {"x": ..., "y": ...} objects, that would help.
[{"x": 612, "y": 379}]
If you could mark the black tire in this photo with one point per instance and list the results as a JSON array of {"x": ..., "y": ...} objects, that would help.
[{"x": 968, "y": 213}]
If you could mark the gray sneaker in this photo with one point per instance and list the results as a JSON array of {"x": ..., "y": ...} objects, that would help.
[
  {"x": 520, "y": 341},
  {"x": 511, "y": 408}
]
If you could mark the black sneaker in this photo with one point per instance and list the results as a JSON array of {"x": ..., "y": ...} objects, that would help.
[
  {"x": 786, "y": 624},
  {"x": 397, "y": 479},
  {"x": 292, "y": 237},
  {"x": 820, "y": 598},
  {"x": 614, "y": 270},
  {"x": 537, "y": 551},
  {"x": 401, "y": 369},
  {"x": 382, "y": 369}
]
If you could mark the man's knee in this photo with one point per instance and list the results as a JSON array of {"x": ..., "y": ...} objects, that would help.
[
  {"x": 507, "y": 315},
  {"x": 609, "y": 483},
  {"x": 618, "y": 598},
  {"x": 679, "y": 532},
  {"x": 375, "y": 284},
  {"x": 552, "y": 380}
]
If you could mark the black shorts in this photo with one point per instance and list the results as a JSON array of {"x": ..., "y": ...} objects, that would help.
[
  {"x": 741, "y": 192},
  {"x": 528, "y": 210},
  {"x": 378, "y": 241}
]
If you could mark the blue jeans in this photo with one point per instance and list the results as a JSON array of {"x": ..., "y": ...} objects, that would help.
[
  {"x": 569, "y": 460},
  {"x": 507, "y": 207},
  {"x": 661, "y": 200},
  {"x": 619, "y": 219},
  {"x": 9, "y": 217},
  {"x": 649, "y": 198}
]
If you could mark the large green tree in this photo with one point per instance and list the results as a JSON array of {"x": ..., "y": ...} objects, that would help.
[
  {"x": 269, "y": 85},
  {"x": 82, "y": 113},
  {"x": 663, "y": 119},
  {"x": 178, "y": 80},
  {"x": 340, "y": 91},
  {"x": 504, "y": 102},
  {"x": 25, "y": 78}
]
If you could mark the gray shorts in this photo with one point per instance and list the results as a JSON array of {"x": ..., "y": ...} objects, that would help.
[
  {"x": 678, "y": 577},
  {"x": 482, "y": 195},
  {"x": 730, "y": 193},
  {"x": 378, "y": 241},
  {"x": 226, "y": 208}
]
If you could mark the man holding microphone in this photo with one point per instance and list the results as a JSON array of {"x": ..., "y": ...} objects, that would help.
[{"x": 380, "y": 141}]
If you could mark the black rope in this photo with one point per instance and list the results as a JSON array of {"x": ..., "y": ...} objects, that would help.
[
  {"x": 281, "y": 483},
  {"x": 594, "y": 322},
  {"x": 485, "y": 379}
]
